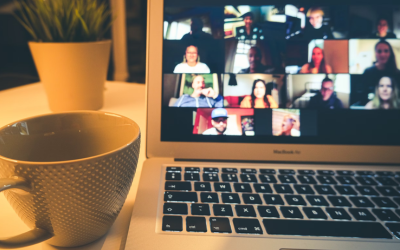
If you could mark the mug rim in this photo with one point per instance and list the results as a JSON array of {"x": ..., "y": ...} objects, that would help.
[{"x": 136, "y": 137}]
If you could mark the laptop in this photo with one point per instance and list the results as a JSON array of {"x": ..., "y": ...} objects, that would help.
[{"x": 270, "y": 125}]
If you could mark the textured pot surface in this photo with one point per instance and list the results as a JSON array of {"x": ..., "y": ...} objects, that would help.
[{"x": 73, "y": 74}]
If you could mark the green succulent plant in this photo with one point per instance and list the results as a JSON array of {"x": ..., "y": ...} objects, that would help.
[{"x": 65, "y": 20}]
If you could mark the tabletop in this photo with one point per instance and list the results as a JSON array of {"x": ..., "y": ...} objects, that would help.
[{"x": 127, "y": 99}]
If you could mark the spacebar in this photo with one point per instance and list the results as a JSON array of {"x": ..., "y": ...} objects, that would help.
[{"x": 327, "y": 228}]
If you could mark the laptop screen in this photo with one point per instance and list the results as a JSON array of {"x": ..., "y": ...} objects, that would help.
[{"x": 298, "y": 72}]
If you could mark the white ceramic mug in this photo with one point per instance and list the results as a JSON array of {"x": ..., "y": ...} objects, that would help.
[{"x": 67, "y": 175}]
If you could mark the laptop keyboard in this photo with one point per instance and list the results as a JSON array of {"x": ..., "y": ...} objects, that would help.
[{"x": 324, "y": 203}]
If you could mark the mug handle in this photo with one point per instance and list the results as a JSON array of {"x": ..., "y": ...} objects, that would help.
[{"x": 31, "y": 237}]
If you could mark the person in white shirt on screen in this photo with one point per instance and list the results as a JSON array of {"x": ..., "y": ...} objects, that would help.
[
  {"x": 191, "y": 62},
  {"x": 219, "y": 120}
]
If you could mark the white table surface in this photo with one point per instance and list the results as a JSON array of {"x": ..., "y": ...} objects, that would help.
[{"x": 127, "y": 99}]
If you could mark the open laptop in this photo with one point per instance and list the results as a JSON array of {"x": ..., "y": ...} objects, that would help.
[{"x": 270, "y": 125}]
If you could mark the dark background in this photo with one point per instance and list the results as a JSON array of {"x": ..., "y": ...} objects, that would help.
[{"x": 16, "y": 64}]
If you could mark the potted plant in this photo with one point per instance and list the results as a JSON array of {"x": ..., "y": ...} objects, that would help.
[{"x": 69, "y": 49}]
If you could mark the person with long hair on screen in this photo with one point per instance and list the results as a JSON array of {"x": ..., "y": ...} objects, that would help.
[
  {"x": 317, "y": 64},
  {"x": 191, "y": 62},
  {"x": 386, "y": 95},
  {"x": 259, "y": 97}
]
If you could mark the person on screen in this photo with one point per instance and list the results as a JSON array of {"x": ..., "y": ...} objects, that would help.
[
  {"x": 191, "y": 62},
  {"x": 315, "y": 29},
  {"x": 386, "y": 95},
  {"x": 254, "y": 55},
  {"x": 317, "y": 64},
  {"x": 201, "y": 97},
  {"x": 382, "y": 30},
  {"x": 325, "y": 99},
  {"x": 219, "y": 121},
  {"x": 287, "y": 126},
  {"x": 249, "y": 31},
  {"x": 259, "y": 97},
  {"x": 196, "y": 31}
]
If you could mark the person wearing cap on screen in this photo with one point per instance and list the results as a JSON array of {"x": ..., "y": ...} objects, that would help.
[
  {"x": 201, "y": 97},
  {"x": 219, "y": 120},
  {"x": 325, "y": 99},
  {"x": 249, "y": 31}
]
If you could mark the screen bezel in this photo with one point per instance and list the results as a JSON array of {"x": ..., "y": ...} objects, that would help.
[{"x": 234, "y": 151}]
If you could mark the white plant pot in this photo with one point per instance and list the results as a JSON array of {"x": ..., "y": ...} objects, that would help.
[{"x": 73, "y": 74}]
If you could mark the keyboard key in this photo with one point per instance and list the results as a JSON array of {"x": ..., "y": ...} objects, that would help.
[
  {"x": 192, "y": 170},
  {"x": 326, "y": 179},
  {"x": 268, "y": 212},
  {"x": 324, "y": 189},
  {"x": 242, "y": 187},
  {"x": 209, "y": 197},
  {"x": 220, "y": 225},
  {"x": 245, "y": 211},
  {"x": 173, "y": 176},
  {"x": 210, "y": 177},
  {"x": 304, "y": 179},
  {"x": 175, "y": 208},
  {"x": 303, "y": 189},
  {"x": 397, "y": 200},
  {"x": 287, "y": 171},
  {"x": 339, "y": 201},
  {"x": 306, "y": 172},
  {"x": 365, "y": 173},
  {"x": 273, "y": 199},
  {"x": 222, "y": 210},
  {"x": 267, "y": 178},
  {"x": 338, "y": 214},
  {"x": 398, "y": 180},
  {"x": 202, "y": 186},
  {"x": 314, "y": 213},
  {"x": 385, "y": 215},
  {"x": 326, "y": 228},
  {"x": 295, "y": 200},
  {"x": 231, "y": 198},
  {"x": 385, "y": 173},
  {"x": 394, "y": 228},
  {"x": 251, "y": 199},
  {"x": 192, "y": 176},
  {"x": 388, "y": 191},
  {"x": 283, "y": 189},
  {"x": 178, "y": 185},
  {"x": 345, "y": 190},
  {"x": 398, "y": 211},
  {"x": 267, "y": 171},
  {"x": 386, "y": 181},
  {"x": 210, "y": 170},
  {"x": 196, "y": 224},
  {"x": 362, "y": 214},
  {"x": 248, "y": 171},
  {"x": 344, "y": 172},
  {"x": 229, "y": 170},
  {"x": 325, "y": 172},
  {"x": 361, "y": 202},
  {"x": 316, "y": 200},
  {"x": 263, "y": 188},
  {"x": 346, "y": 180},
  {"x": 172, "y": 223},
  {"x": 291, "y": 212},
  {"x": 383, "y": 202},
  {"x": 366, "y": 190},
  {"x": 287, "y": 179},
  {"x": 200, "y": 209},
  {"x": 222, "y": 187},
  {"x": 180, "y": 196},
  {"x": 367, "y": 181},
  {"x": 174, "y": 169},
  {"x": 247, "y": 226},
  {"x": 229, "y": 177},
  {"x": 248, "y": 178}
]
